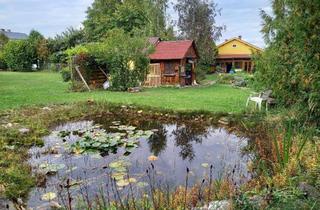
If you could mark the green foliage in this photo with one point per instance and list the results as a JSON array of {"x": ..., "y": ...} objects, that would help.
[
  {"x": 18, "y": 55},
  {"x": 127, "y": 59},
  {"x": 67, "y": 39},
  {"x": 197, "y": 22},
  {"x": 66, "y": 74},
  {"x": 3, "y": 64},
  {"x": 97, "y": 140},
  {"x": 201, "y": 72},
  {"x": 3, "y": 40},
  {"x": 291, "y": 62},
  {"x": 130, "y": 15}
]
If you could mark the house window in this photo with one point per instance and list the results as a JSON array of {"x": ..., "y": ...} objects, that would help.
[
  {"x": 234, "y": 45},
  {"x": 169, "y": 68}
]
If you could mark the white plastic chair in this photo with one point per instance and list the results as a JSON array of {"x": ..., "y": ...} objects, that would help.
[{"x": 258, "y": 99}]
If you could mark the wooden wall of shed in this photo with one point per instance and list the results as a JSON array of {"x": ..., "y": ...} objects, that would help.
[{"x": 170, "y": 79}]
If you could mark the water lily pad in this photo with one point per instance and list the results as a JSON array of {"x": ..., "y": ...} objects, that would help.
[
  {"x": 48, "y": 196},
  {"x": 132, "y": 180},
  {"x": 118, "y": 176},
  {"x": 123, "y": 183},
  {"x": 205, "y": 165},
  {"x": 71, "y": 169},
  {"x": 152, "y": 158},
  {"x": 96, "y": 156},
  {"x": 142, "y": 184},
  {"x": 51, "y": 168}
]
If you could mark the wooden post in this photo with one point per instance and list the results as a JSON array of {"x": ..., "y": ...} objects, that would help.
[
  {"x": 193, "y": 74},
  {"x": 83, "y": 80}
]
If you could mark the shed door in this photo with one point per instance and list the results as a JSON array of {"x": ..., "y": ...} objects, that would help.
[{"x": 154, "y": 76}]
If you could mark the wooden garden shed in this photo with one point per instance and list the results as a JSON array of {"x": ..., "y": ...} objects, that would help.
[{"x": 172, "y": 63}]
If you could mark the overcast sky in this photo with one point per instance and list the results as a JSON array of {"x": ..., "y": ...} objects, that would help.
[{"x": 50, "y": 17}]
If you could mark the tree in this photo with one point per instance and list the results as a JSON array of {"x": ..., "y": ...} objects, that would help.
[
  {"x": 18, "y": 55},
  {"x": 67, "y": 39},
  {"x": 100, "y": 18},
  {"x": 159, "y": 25},
  {"x": 3, "y": 40},
  {"x": 291, "y": 61},
  {"x": 197, "y": 22},
  {"x": 127, "y": 59},
  {"x": 39, "y": 48},
  {"x": 147, "y": 16}
]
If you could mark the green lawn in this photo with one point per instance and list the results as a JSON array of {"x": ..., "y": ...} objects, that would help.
[{"x": 20, "y": 89}]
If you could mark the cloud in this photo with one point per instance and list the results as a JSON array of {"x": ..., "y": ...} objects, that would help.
[
  {"x": 54, "y": 16},
  {"x": 47, "y": 16}
]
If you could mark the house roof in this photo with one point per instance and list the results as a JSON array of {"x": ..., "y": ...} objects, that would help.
[
  {"x": 14, "y": 35},
  {"x": 242, "y": 41},
  {"x": 171, "y": 50},
  {"x": 154, "y": 40}
]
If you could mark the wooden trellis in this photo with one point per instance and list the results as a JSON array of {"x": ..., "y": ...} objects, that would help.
[{"x": 154, "y": 77}]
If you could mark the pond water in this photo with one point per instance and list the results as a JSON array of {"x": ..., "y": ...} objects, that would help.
[{"x": 159, "y": 155}]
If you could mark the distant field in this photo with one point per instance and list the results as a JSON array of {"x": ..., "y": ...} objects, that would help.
[{"x": 22, "y": 89}]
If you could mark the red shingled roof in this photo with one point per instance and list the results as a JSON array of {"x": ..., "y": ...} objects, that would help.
[{"x": 169, "y": 50}]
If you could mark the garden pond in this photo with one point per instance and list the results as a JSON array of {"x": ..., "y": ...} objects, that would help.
[{"x": 108, "y": 155}]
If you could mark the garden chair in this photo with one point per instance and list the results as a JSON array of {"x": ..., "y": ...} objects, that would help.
[{"x": 260, "y": 98}]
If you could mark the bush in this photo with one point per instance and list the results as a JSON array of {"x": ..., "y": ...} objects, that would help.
[
  {"x": 3, "y": 64},
  {"x": 225, "y": 78},
  {"x": 127, "y": 58},
  {"x": 124, "y": 55},
  {"x": 66, "y": 74},
  {"x": 201, "y": 72},
  {"x": 290, "y": 64},
  {"x": 18, "y": 55}
]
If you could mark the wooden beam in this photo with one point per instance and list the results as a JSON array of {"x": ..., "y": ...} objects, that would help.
[
  {"x": 83, "y": 80},
  {"x": 104, "y": 73}
]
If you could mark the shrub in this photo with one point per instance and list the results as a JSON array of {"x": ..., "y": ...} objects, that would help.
[
  {"x": 225, "y": 78},
  {"x": 3, "y": 64},
  {"x": 126, "y": 57},
  {"x": 18, "y": 55},
  {"x": 66, "y": 74},
  {"x": 290, "y": 64},
  {"x": 201, "y": 72}
]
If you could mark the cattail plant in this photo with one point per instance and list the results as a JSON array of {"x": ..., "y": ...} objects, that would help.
[
  {"x": 131, "y": 190},
  {"x": 200, "y": 190},
  {"x": 210, "y": 182},
  {"x": 186, "y": 189}
]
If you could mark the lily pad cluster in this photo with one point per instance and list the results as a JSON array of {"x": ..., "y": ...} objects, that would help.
[
  {"x": 50, "y": 168},
  {"x": 99, "y": 140},
  {"x": 119, "y": 174}
]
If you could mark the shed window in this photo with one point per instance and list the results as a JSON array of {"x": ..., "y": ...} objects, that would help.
[
  {"x": 234, "y": 45},
  {"x": 169, "y": 68}
]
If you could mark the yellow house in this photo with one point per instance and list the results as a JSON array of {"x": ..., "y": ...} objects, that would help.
[{"x": 236, "y": 53}]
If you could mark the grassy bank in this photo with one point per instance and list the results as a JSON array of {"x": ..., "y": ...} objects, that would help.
[
  {"x": 287, "y": 151},
  {"x": 23, "y": 89},
  {"x": 285, "y": 158}
]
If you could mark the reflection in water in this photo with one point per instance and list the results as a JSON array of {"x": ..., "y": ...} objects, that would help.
[
  {"x": 185, "y": 136},
  {"x": 176, "y": 145},
  {"x": 158, "y": 141}
]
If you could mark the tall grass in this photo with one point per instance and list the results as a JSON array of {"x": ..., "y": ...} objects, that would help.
[{"x": 288, "y": 139}]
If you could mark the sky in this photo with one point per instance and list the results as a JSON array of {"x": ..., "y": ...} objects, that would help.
[{"x": 51, "y": 17}]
